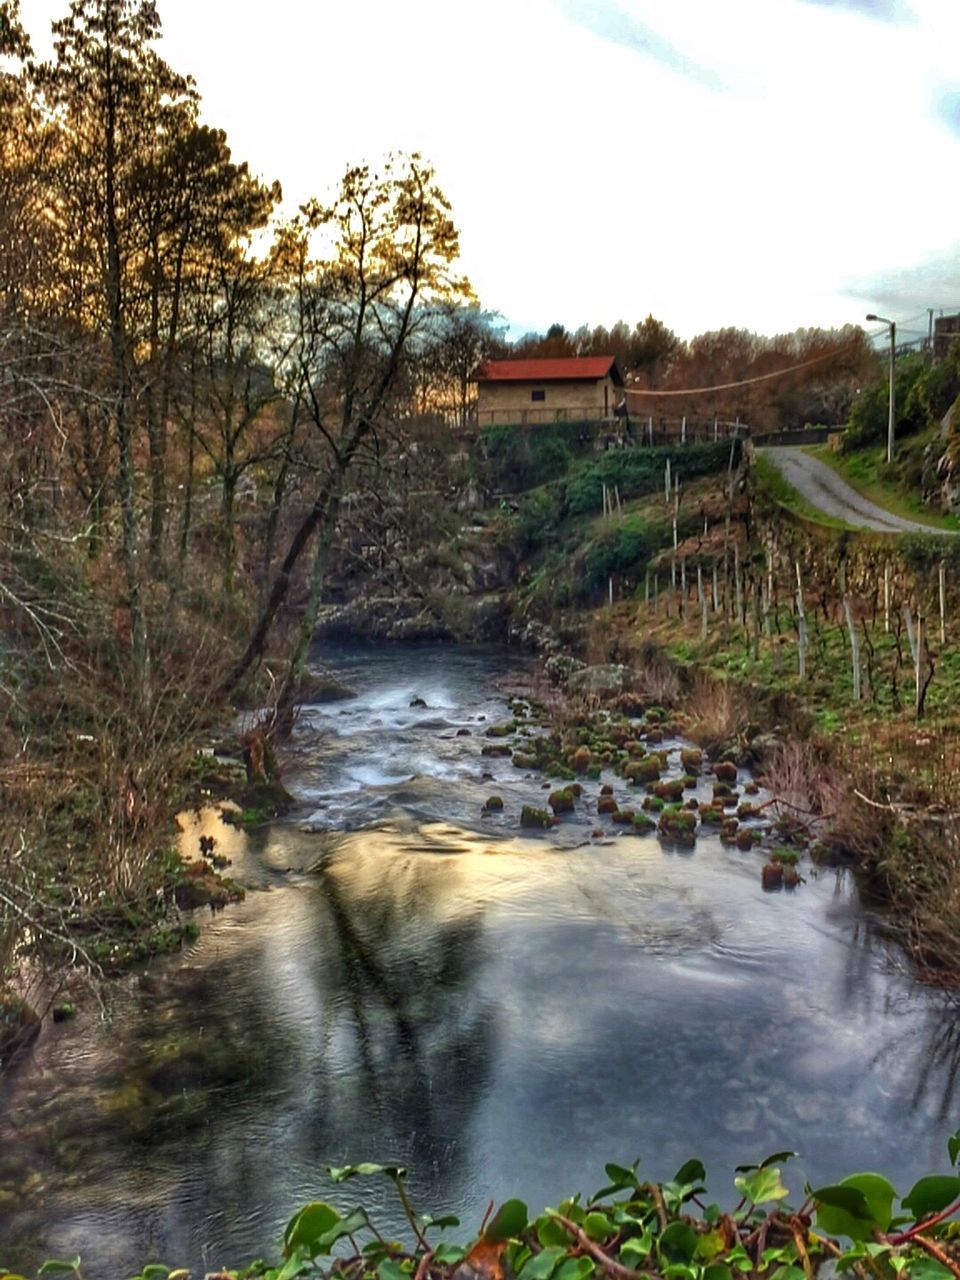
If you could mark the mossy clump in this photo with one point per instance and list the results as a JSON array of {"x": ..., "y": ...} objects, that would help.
[
  {"x": 728, "y": 830},
  {"x": 725, "y": 771},
  {"x": 575, "y": 789},
  {"x": 691, "y": 758},
  {"x": 712, "y": 815},
  {"x": 654, "y": 735},
  {"x": 495, "y": 750},
  {"x": 671, "y": 790},
  {"x": 786, "y": 857},
  {"x": 200, "y": 886},
  {"x": 502, "y": 730},
  {"x": 624, "y": 816},
  {"x": 606, "y": 804},
  {"x": 533, "y": 817},
  {"x": 642, "y": 823},
  {"x": 746, "y": 810},
  {"x": 688, "y": 781},
  {"x": 751, "y": 788},
  {"x": 493, "y": 804},
  {"x": 634, "y": 748},
  {"x": 581, "y": 759},
  {"x": 652, "y": 804},
  {"x": 561, "y": 801},
  {"x": 523, "y": 760},
  {"x": 679, "y": 826},
  {"x": 643, "y": 772},
  {"x": 747, "y": 837},
  {"x": 771, "y": 876}
]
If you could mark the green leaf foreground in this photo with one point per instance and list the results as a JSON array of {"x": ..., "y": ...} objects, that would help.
[{"x": 632, "y": 1230}]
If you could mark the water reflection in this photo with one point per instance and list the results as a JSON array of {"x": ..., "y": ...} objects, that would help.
[{"x": 501, "y": 1014}]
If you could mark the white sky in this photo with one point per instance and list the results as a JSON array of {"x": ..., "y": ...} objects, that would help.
[{"x": 760, "y": 163}]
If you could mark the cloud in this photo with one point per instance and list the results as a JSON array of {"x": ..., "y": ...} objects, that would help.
[
  {"x": 610, "y": 21},
  {"x": 946, "y": 107},
  {"x": 883, "y": 10},
  {"x": 933, "y": 281}
]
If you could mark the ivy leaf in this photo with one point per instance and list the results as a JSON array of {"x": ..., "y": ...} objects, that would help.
[
  {"x": 542, "y": 1265},
  {"x": 692, "y": 1171},
  {"x": 388, "y": 1269},
  {"x": 508, "y": 1222},
  {"x": 927, "y": 1269},
  {"x": 550, "y": 1232},
  {"x": 346, "y": 1171},
  {"x": 441, "y": 1223},
  {"x": 597, "y": 1226},
  {"x": 762, "y": 1186},
  {"x": 717, "y": 1271},
  {"x": 677, "y": 1242},
  {"x": 576, "y": 1269},
  {"x": 953, "y": 1147},
  {"x": 306, "y": 1227},
  {"x": 636, "y": 1249},
  {"x": 855, "y": 1207},
  {"x": 778, "y": 1157},
  {"x": 930, "y": 1195},
  {"x": 449, "y": 1254},
  {"x": 56, "y": 1266}
]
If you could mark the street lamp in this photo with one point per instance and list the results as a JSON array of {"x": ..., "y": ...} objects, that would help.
[{"x": 893, "y": 358}]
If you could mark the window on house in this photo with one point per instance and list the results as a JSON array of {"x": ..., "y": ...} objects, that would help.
[{"x": 538, "y": 395}]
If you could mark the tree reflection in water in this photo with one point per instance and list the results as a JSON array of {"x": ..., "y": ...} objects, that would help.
[{"x": 408, "y": 960}]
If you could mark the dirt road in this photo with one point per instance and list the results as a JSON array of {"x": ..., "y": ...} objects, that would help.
[{"x": 825, "y": 490}]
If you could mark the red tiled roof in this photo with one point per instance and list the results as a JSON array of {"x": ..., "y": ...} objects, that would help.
[{"x": 565, "y": 369}]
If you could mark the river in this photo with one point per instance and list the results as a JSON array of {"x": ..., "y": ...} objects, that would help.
[{"x": 408, "y": 981}]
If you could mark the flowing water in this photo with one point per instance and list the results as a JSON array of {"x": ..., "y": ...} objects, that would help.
[{"x": 410, "y": 982}]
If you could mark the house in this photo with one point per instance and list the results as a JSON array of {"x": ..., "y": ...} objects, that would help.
[{"x": 568, "y": 389}]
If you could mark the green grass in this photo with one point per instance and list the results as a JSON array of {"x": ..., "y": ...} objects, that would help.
[
  {"x": 771, "y": 480},
  {"x": 866, "y": 472}
]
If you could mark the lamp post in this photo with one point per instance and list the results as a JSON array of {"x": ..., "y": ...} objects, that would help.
[{"x": 893, "y": 359}]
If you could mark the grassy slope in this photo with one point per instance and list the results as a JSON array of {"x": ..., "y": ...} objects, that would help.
[{"x": 866, "y": 471}]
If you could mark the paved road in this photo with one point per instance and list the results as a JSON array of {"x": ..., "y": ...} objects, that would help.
[{"x": 825, "y": 490}]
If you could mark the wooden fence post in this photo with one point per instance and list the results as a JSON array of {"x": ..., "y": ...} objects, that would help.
[
  {"x": 911, "y": 638},
  {"x": 943, "y": 604},
  {"x": 801, "y": 627},
  {"x": 886, "y": 597},
  {"x": 854, "y": 648}
]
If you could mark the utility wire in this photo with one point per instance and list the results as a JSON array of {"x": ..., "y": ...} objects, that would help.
[{"x": 744, "y": 382}]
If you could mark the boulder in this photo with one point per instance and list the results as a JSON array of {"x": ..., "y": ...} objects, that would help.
[{"x": 608, "y": 680}]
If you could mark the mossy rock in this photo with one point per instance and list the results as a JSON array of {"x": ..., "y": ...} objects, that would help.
[
  {"x": 678, "y": 826},
  {"x": 502, "y": 730},
  {"x": 785, "y": 857},
  {"x": 712, "y": 815},
  {"x": 523, "y": 760},
  {"x": 725, "y": 771},
  {"x": 606, "y": 789},
  {"x": 319, "y": 689},
  {"x": 746, "y": 810},
  {"x": 594, "y": 772},
  {"x": 643, "y": 823},
  {"x": 688, "y": 781},
  {"x": 728, "y": 830},
  {"x": 493, "y": 804},
  {"x": 653, "y": 804},
  {"x": 558, "y": 770},
  {"x": 495, "y": 750},
  {"x": 581, "y": 759},
  {"x": 655, "y": 715},
  {"x": 200, "y": 886},
  {"x": 751, "y": 789},
  {"x": 654, "y": 736},
  {"x": 606, "y": 804},
  {"x": 643, "y": 772},
  {"x": 691, "y": 758},
  {"x": 634, "y": 748},
  {"x": 623, "y": 816},
  {"x": 561, "y": 801},
  {"x": 747, "y": 837},
  {"x": 722, "y": 790},
  {"x": 575, "y": 789},
  {"x": 672, "y": 789},
  {"x": 771, "y": 876},
  {"x": 533, "y": 817}
]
